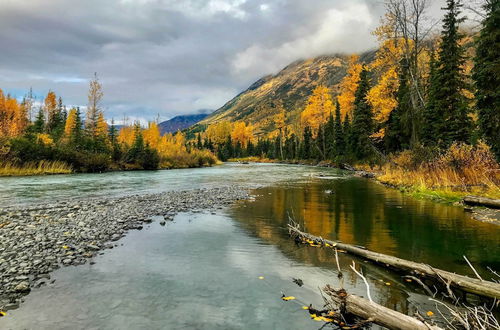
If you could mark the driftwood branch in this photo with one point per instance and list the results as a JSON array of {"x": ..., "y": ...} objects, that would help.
[
  {"x": 464, "y": 283},
  {"x": 482, "y": 201},
  {"x": 378, "y": 314}
]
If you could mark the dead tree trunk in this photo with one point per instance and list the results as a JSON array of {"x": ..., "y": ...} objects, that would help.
[
  {"x": 376, "y": 313},
  {"x": 482, "y": 201},
  {"x": 467, "y": 284}
]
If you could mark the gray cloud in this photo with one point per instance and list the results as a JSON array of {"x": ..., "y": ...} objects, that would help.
[{"x": 169, "y": 57}]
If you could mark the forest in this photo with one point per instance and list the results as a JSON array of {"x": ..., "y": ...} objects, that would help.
[{"x": 423, "y": 113}]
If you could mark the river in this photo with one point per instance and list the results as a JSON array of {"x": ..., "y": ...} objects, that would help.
[{"x": 202, "y": 270}]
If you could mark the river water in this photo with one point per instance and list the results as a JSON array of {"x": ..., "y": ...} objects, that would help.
[{"x": 202, "y": 270}]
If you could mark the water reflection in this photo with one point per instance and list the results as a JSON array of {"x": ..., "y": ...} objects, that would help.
[{"x": 362, "y": 212}]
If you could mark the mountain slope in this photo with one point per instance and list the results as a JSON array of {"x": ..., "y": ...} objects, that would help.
[
  {"x": 180, "y": 122},
  {"x": 292, "y": 86}
]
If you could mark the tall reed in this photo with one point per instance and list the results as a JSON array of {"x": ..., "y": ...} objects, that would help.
[{"x": 9, "y": 168}]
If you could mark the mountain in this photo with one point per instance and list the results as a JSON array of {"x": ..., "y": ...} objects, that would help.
[
  {"x": 292, "y": 86},
  {"x": 180, "y": 122}
]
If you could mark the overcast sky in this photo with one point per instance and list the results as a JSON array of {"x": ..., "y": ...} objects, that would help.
[{"x": 170, "y": 57}]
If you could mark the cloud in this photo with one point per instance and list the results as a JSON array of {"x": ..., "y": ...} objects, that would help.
[{"x": 169, "y": 57}]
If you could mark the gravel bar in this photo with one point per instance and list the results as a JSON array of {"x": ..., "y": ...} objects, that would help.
[{"x": 37, "y": 239}]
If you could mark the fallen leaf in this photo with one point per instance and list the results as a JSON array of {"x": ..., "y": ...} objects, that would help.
[
  {"x": 261, "y": 277},
  {"x": 288, "y": 298},
  {"x": 430, "y": 313},
  {"x": 387, "y": 283},
  {"x": 305, "y": 307},
  {"x": 2, "y": 313}
]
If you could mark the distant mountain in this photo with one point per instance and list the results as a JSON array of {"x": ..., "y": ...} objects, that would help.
[{"x": 180, "y": 122}]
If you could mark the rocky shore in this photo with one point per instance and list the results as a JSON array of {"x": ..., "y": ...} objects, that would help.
[{"x": 35, "y": 240}]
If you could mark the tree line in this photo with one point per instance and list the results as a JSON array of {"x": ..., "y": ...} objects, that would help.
[{"x": 87, "y": 145}]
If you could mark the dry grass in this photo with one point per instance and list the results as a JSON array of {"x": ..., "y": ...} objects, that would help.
[
  {"x": 38, "y": 168},
  {"x": 184, "y": 159},
  {"x": 461, "y": 170}
]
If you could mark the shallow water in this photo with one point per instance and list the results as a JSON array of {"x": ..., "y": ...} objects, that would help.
[{"x": 201, "y": 271}]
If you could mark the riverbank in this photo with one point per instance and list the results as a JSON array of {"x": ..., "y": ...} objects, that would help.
[
  {"x": 36, "y": 240},
  {"x": 454, "y": 186}
]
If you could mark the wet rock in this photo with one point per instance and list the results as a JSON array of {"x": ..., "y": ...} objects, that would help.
[{"x": 22, "y": 287}]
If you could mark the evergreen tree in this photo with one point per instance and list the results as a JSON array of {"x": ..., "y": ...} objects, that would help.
[
  {"x": 330, "y": 137},
  {"x": 486, "y": 75},
  {"x": 450, "y": 103},
  {"x": 432, "y": 118},
  {"x": 398, "y": 126},
  {"x": 199, "y": 144},
  {"x": 339, "y": 133},
  {"x": 362, "y": 123},
  {"x": 76, "y": 135},
  {"x": 305, "y": 148},
  {"x": 39, "y": 124}
]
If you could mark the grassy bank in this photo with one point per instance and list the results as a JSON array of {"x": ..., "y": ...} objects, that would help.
[
  {"x": 445, "y": 176},
  {"x": 449, "y": 176},
  {"x": 35, "y": 168}
]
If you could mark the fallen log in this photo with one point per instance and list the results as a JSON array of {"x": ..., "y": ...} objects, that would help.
[
  {"x": 482, "y": 201},
  {"x": 374, "y": 312},
  {"x": 464, "y": 283}
]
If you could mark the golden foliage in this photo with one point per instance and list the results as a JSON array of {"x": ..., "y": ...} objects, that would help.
[
  {"x": 382, "y": 96},
  {"x": 44, "y": 139},
  {"x": 242, "y": 133},
  {"x": 319, "y": 107},
  {"x": 348, "y": 86},
  {"x": 152, "y": 135},
  {"x": 126, "y": 135},
  {"x": 218, "y": 132},
  {"x": 50, "y": 105},
  {"x": 70, "y": 122},
  {"x": 13, "y": 118}
]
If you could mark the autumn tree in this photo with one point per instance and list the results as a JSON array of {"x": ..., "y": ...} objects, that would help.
[
  {"x": 486, "y": 75},
  {"x": 94, "y": 110},
  {"x": 242, "y": 133},
  {"x": 319, "y": 107},
  {"x": 218, "y": 132},
  {"x": 70, "y": 124},
  {"x": 50, "y": 109},
  {"x": 152, "y": 135},
  {"x": 349, "y": 85}
]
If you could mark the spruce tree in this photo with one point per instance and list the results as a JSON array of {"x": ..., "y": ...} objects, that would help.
[
  {"x": 362, "y": 122},
  {"x": 339, "y": 137},
  {"x": 432, "y": 118},
  {"x": 486, "y": 75},
  {"x": 305, "y": 148},
  {"x": 397, "y": 130},
  {"x": 450, "y": 103},
  {"x": 39, "y": 124},
  {"x": 330, "y": 137}
]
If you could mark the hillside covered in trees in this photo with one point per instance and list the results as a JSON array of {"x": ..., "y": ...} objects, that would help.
[{"x": 423, "y": 109}]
